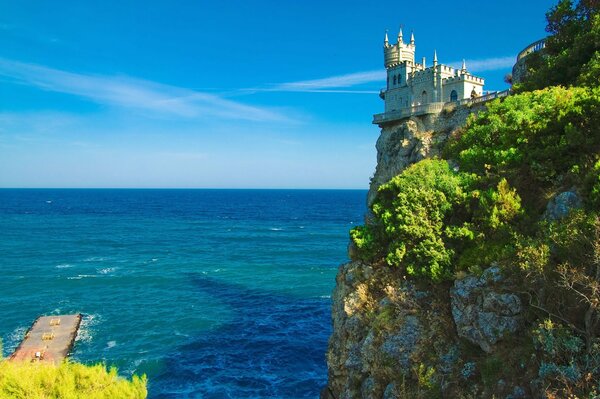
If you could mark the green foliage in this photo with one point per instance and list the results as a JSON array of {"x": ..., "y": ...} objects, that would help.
[
  {"x": 571, "y": 53},
  {"x": 533, "y": 139},
  {"x": 415, "y": 209},
  {"x": 66, "y": 381},
  {"x": 563, "y": 365},
  {"x": 426, "y": 382},
  {"x": 367, "y": 241},
  {"x": 592, "y": 185},
  {"x": 415, "y": 212},
  {"x": 384, "y": 319},
  {"x": 429, "y": 213}
]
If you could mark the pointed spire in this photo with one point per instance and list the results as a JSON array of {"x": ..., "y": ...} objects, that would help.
[
  {"x": 400, "y": 38},
  {"x": 435, "y": 57},
  {"x": 412, "y": 38},
  {"x": 386, "y": 41},
  {"x": 464, "y": 66}
]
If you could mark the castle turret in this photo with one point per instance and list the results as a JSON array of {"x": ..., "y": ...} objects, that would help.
[{"x": 416, "y": 87}]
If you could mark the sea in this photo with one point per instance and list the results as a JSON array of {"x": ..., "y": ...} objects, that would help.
[{"x": 210, "y": 293}]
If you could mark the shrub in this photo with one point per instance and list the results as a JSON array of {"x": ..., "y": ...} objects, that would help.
[
  {"x": 66, "y": 381},
  {"x": 535, "y": 140}
]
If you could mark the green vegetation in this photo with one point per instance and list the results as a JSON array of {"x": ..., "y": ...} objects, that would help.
[
  {"x": 429, "y": 214},
  {"x": 66, "y": 381},
  {"x": 571, "y": 55},
  {"x": 486, "y": 204}
]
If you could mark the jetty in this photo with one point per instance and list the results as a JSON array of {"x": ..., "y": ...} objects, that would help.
[{"x": 49, "y": 339}]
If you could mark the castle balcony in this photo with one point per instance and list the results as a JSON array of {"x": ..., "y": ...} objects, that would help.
[
  {"x": 431, "y": 108},
  {"x": 532, "y": 48},
  {"x": 485, "y": 98},
  {"x": 435, "y": 108}
]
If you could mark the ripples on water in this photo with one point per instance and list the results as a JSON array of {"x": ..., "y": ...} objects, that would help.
[{"x": 212, "y": 293}]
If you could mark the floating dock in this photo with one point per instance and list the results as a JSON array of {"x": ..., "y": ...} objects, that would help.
[{"x": 49, "y": 339}]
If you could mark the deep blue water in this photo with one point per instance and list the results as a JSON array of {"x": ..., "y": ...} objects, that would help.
[{"x": 211, "y": 293}]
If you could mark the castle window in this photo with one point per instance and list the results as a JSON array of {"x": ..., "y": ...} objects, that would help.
[
  {"x": 387, "y": 82},
  {"x": 424, "y": 97},
  {"x": 394, "y": 80},
  {"x": 399, "y": 76},
  {"x": 453, "y": 95}
]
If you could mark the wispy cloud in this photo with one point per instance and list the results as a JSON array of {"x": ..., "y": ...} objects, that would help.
[
  {"x": 341, "y": 83},
  {"x": 488, "y": 64},
  {"x": 122, "y": 91}
]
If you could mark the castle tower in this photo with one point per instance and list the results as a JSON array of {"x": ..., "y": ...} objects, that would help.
[{"x": 415, "y": 87}]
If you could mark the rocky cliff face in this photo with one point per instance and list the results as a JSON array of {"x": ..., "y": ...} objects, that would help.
[
  {"x": 408, "y": 141},
  {"x": 395, "y": 339}
]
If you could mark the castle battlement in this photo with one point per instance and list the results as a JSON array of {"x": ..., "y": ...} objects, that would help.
[{"x": 413, "y": 86}]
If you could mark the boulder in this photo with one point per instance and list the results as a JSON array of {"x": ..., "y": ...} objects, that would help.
[
  {"x": 561, "y": 204},
  {"x": 482, "y": 312}
]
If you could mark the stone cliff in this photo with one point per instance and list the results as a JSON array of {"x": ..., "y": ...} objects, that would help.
[{"x": 389, "y": 334}]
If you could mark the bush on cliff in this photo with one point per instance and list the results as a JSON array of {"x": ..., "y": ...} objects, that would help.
[
  {"x": 430, "y": 213},
  {"x": 68, "y": 380}
]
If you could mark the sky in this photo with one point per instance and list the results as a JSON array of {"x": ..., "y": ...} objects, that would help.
[{"x": 234, "y": 94}]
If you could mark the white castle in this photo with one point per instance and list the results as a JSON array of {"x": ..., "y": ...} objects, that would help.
[{"x": 416, "y": 88}]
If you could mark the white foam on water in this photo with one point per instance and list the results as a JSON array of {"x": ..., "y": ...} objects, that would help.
[
  {"x": 275, "y": 229},
  {"x": 86, "y": 327},
  {"x": 80, "y": 276},
  {"x": 63, "y": 266},
  {"x": 13, "y": 339},
  {"x": 111, "y": 344},
  {"x": 107, "y": 270}
]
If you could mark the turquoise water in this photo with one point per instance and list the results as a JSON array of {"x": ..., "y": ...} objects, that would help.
[{"x": 211, "y": 293}]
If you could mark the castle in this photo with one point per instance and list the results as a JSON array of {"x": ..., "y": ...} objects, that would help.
[{"x": 416, "y": 88}]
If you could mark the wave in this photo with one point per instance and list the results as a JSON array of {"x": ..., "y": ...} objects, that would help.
[
  {"x": 86, "y": 328},
  {"x": 107, "y": 270},
  {"x": 80, "y": 276}
]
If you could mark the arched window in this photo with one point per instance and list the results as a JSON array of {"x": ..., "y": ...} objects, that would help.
[
  {"x": 387, "y": 82},
  {"x": 473, "y": 93},
  {"x": 453, "y": 95},
  {"x": 394, "y": 80},
  {"x": 399, "y": 76},
  {"x": 424, "y": 97}
]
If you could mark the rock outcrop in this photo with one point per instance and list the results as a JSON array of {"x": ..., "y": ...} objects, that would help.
[
  {"x": 408, "y": 141},
  {"x": 482, "y": 312},
  {"x": 388, "y": 332}
]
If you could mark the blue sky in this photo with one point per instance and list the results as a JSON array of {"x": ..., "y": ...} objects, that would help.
[{"x": 242, "y": 94}]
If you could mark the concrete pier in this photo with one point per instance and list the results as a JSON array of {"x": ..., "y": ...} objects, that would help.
[{"x": 49, "y": 339}]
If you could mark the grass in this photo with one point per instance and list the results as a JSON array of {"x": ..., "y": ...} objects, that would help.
[{"x": 22, "y": 380}]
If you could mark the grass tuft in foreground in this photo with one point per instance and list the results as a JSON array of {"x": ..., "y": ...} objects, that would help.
[{"x": 67, "y": 381}]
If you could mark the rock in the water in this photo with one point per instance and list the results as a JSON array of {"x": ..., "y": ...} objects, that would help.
[
  {"x": 482, "y": 314},
  {"x": 560, "y": 206}
]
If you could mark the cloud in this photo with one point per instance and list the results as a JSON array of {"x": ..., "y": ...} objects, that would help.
[
  {"x": 336, "y": 84},
  {"x": 126, "y": 92},
  {"x": 488, "y": 64},
  {"x": 339, "y": 81}
]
